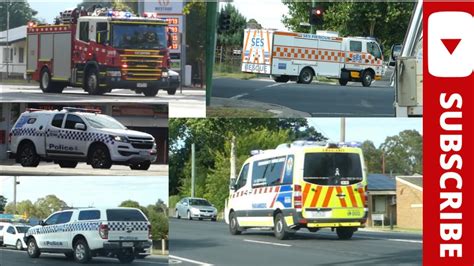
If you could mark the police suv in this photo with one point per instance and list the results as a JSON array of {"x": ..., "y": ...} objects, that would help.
[
  {"x": 85, "y": 233},
  {"x": 73, "y": 135},
  {"x": 304, "y": 184}
]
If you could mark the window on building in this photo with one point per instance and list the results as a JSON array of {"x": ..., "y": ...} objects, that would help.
[
  {"x": 5, "y": 55},
  {"x": 11, "y": 55},
  {"x": 21, "y": 55}
]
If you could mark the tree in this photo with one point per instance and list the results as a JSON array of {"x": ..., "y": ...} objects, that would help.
[
  {"x": 253, "y": 24},
  {"x": 3, "y": 202},
  {"x": 43, "y": 207},
  {"x": 20, "y": 14},
  {"x": 403, "y": 153},
  {"x": 372, "y": 156},
  {"x": 155, "y": 215}
]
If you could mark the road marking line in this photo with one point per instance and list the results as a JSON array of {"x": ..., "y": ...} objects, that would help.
[
  {"x": 393, "y": 239},
  {"x": 274, "y": 85},
  {"x": 267, "y": 243},
  {"x": 239, "y": 96},
  {"x": 190, "y": 260}
]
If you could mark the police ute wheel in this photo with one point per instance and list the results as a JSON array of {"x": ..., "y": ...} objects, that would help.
[
  {"x": 32, "y": 250},
  {"x": 82, "y": 253},
  {"x": 141, "y": 166},
  {"x": 280, "y": 229},
  {"x": 344, "y": 233},
  {"x": 19, "y": 245},
  {"x": 171, "y": 91},
  {"x": 67, "y": 164},
  {"x": 126, "y": 257},
  {"x": 367, "y": 78},
  {"x": 150, "y": 92},
  {"x": 100, "y": 157},
  {"x": 27, "y": 155},
  {"x": 343, "y": 82},
  {"x": 306, "y": 76},
  {"x": 92, "y": 82},
  {"x": 234, "y": 224}
]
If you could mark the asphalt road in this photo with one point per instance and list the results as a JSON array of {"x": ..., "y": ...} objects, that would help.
[
  {"x": 316, "y": 99},
  {"x": 50, "y": 169},
  {"x": 9, "y": 257},
  {"x": 189, "y": 103},
  {"x": 204, "y": 242}
]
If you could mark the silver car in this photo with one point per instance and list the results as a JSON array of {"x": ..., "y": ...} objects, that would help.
[{"x": 195, "y": 208}]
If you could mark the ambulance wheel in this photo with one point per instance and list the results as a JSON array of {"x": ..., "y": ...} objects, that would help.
[
  {"x": 100, "y": 157},
  {"x": 32, "y": 250},
  {"x": 281, "y": 79},
  {"x": 141, "y": 166},
  {"x": 171, "y": 91},
  {"x": 47, "y": 85},
  {"x": 67, "y": 164},
  {"x": 343, "y": 82},
  {"x": 82, "y": 252},
  {"x": 344, "y": 233},
  {"x": 367, "y": 78},
  {"x": 126, "y": 257},
  {"x": 150, "y": 92},
  {"x": 306, "y": 76},
  {"x": 92, "y": 82},
  {"x": 234, "y": 224},
  {"x": 27, "y": 155},
  {"x": 280, "y": 229}
]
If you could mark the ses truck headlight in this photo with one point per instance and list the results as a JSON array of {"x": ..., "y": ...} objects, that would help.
[{"x": 119, "y": 138}]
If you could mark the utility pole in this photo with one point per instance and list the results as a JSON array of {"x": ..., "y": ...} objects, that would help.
[
  {"x": 15, "y": 183},
  {"x": 233, "y": 159},
  {"x": 343, "y": 130},
  {"x": 383, "y": 162},
  {"x": 313, "y": 27},
  {"x": 193, "y": 169},
  {"x": 211, "y": 19},
  {"x": 8, "y": 41}
]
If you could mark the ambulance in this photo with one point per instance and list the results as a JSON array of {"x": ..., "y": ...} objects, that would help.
[
  {"x": 301, "y": 56},
  {"x": 304, "y": 184}
]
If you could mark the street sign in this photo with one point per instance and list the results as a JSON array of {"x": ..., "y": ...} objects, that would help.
[{"x": 164, "y": 6}]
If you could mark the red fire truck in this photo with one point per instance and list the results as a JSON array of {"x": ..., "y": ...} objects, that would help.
[{"x": 99, "y": 51}]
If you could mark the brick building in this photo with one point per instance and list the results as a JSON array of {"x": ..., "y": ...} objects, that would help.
[{"x": 410, "y": 202}]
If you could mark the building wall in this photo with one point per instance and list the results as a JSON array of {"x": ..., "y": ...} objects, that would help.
[
  {"x": 409, "y": 206},
  {"x": 17, "y": 52},
  {"x": 389, "y": 209}
]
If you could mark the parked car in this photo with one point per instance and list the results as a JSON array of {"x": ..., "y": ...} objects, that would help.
[
  {"x": 195, "y": 208},
  {"x": 12, "y": 235}
]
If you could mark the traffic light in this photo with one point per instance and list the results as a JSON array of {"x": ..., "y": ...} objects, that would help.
[
  {"x": 224, "y": 21},
  {"x": 316, "y": 16}
]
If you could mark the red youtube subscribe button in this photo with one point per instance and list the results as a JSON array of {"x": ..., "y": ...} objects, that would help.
[{"x": 448, "y": 83}]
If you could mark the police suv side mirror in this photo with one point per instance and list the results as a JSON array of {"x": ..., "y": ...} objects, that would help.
[
  {"x": 80, "y": 126},
  {"x": 41, "y": 222}
]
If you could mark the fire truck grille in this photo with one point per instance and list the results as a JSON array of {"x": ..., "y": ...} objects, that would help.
[{"x": 142, "y": 67}]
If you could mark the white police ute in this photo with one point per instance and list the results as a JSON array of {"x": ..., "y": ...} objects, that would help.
[
  {"x": 81, "y": 234},
  {"x": 75, "y": 135}
]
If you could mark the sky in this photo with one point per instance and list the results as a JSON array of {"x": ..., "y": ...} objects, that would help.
[
  {"x": 81, "y": 191},
  {"x": 267, "y": 12},
  {"x": 361, "y": 129},
  {"x": 50, "y": 9}
]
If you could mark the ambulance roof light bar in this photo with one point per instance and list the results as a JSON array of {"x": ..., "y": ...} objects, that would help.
[{"x": 87, "y": 110}]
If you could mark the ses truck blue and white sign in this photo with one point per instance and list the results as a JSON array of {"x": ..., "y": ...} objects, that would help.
[{"x": 256, "y": 53}]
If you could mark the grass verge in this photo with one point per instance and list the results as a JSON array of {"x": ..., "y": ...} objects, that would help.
[{"x": 231, "y": 112}]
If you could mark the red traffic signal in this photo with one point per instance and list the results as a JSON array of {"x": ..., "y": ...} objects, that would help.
[{"x": 316, "y": 16}]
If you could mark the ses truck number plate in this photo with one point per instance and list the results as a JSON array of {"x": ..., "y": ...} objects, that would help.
[{"x": 141, "y": 85}]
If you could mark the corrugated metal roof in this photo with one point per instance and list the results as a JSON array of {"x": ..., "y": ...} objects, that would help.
[
  {"x": 14, "y": 35},
  {"x": 379, "y": 182},
  {"x": 415, "y": 180}
]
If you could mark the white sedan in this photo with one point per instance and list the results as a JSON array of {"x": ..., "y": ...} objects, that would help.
[{"x": 13, "y": 235}]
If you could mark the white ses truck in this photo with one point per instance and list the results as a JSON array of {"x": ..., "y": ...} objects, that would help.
[
  {"x": 75, "y": 135},
  {"x": 300, "y": 56}
]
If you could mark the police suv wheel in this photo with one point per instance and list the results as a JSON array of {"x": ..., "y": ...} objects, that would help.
[
  {"x": 100, "y": 157},
  {"x": 92, "y": 83},
  {"x": 280, "y": 229},
  {"x": 367, "y": 78},
  {"x": 19, "y": 245},
  {"x": 234, "y": 224},
  {"x": 150, "y": 92},
  {"x": 141, "y": 166},
  {"x": 126, "y": 257},
  {"x": 32, "y": 249},
  {"x": 344, "y": 233},
  {"x": 82, "y": 253},
  {"x": 27, "y": 155},
  {"x": 306, "y": 76}
]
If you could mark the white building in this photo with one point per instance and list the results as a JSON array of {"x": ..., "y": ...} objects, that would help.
[{"x": 13, "y": 52}]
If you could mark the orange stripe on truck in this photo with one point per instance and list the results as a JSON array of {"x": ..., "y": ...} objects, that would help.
[
  {"x": 328, "y": 196},
  {"x": 245, "y": 44},
  {"x": 305, "y": 192},
  {"x": 341, "y": 199},
  {"x": 285, "y": 33},
  {"x": 350, "y": 191},
  {"x": 316, "y": 196}
]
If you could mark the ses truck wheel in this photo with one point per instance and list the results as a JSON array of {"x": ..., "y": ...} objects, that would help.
[
  {"x": 150, "y": 92},
  {"x": 141, "y": 166},
  {"x": 234, "y": 224},
  {"x": 27, "y": 155},
  {"x": 92, "y": 83},
  {"x": 33, "y": 250},
  {"x": 306, "y": 76},
  {"x": 100, "y": 157},
  {"x": 82, "y": 253},
  {"x": 367, "y": 78},
  {"x": 344, "y": 233}
]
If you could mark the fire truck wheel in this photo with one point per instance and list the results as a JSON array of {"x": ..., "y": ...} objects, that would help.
[
  {"x": 150, "y": 92},
  {"x": 92, "y": 82},
  {"x": 141, "y": 166},
  {"x": 171, "y": 91},
  {"x": 67, "y": 164},
  {"x": 27, "y": 155},
  {"x": 100, "y": 157},
  {"x": 344, "y": 233},
  {"x": 282, "y": 79},
  {"x": 367, "y": 78},
  {"x": 343, "y": 82},
  {"x": 306, "y": 76},
  {"x": 48, "y": 86}
]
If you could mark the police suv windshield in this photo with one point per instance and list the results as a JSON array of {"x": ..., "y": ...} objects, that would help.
[
  {"x": 103, "y": 121},
  {"x": 138, "y": 36},
  {"x": 332, "y": 168}
]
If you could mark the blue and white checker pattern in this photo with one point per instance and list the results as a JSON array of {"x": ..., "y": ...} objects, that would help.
[
  {"x": 72, "y": 227},
  {"x": 82, "y": 136},
  {"x": 124, "y": 226},
  {"x": 33, "y": 132}
]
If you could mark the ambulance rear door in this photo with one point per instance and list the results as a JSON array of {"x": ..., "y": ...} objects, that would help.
[{"x": 256, "y": 53}]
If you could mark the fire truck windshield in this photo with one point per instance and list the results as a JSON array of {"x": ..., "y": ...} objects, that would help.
[{"x": 132, "y": 36}]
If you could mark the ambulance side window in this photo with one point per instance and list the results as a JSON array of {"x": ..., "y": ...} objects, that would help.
[
  {"x": 242, "y": 177},
  {"x": 72, "y": 120},
  {"x": 57, "y": 120},
  {"x": 268, "y": 172},
  {"x": 84, "y": 31},
  {"x": 355, "y": 46}
]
